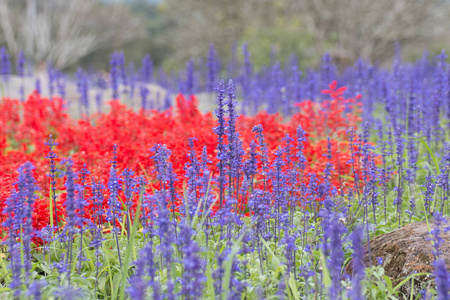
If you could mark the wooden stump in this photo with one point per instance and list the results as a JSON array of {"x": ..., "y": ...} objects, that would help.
[{"x": 406, "y": 251}]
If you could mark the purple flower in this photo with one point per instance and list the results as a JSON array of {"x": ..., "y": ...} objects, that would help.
[
  {"x": 83, "y": 90},
  {"x": 20, "y": 64},
  {"x": 442, "y": 280},
  {"x": 428, "y": 194},
  {"x": 52, "y": 156},
  {"x": 61, "y": 84},
  {"x": 220, "y": 131},
  {"x": 144, "y": 95},
  {"x": 35, "y": 289},
  {"x": 69, "y": 293},
  {"x": 70, "y": 203},
  {"x": 190, "y": 77},
  {"x": 5, "y": 64},
  {"x": 357, "y": 263},
  {"x": 147, "y": 69},
  {"x": 333, "y": 231},
  {"x": 131, "y": 187},
  {"x": 234, "y": 150},
  {"x": 193, "y": 278},
  {"x": 437, "y": 239},
  {"x": 144, "y": 266},
  {"x": 114, "y": 74},
  {"x": 258, "y": 129}
]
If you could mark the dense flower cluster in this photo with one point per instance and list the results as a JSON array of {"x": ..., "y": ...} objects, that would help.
[
  {"x": 26, "y": 126},
  {"x": 175, "y": 203}
]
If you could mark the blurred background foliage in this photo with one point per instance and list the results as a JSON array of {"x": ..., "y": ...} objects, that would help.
[{"x": 68, "y": 33}]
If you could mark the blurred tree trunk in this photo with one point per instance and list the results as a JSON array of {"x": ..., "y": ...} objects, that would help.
[
  {"x": 368, "y": 28},
  {"x": 61, "y": 32}
]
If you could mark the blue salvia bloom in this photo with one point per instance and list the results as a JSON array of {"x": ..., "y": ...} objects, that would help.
[
  {"x": 251, "y": 164},
  {"x": 145, "y": 266},
  {"x": 61, "y": 84},
  {"x": 37, "y": 86},
  {"x": 147, "y": 69},
  {"x": 35, "y": 289},
  {"x": 328, "y": 165},
  {"x": 68, "y": 292},
  {"x": 279, "y": 187},
  {"x": 399, "y": 162},
  {"x": 114, "y": 211},
  {"x": 83, "y": 90},
  {"x": 219, "y": 272},
  {"x": 441, "y": 83},
  {"x": 205, "y": 172},
  {"x": 115, "y": 206},
  {"x": 289, "y": 250},
  {"x": 167, "y": 101},
  {"x": 281, "y": 289},
  {"x": 97, "y": 200},
  {"x": 114, "y": 74},
  {"x": 446, "y": 172},
  {"x": 20, "y": 68},
  {"x": 96, "y": 228},
  {"x": 336, "y": 256},
  {"x": 258, "y": 129},
  {"x": 144, "y": 95},
  {"x": 149, "y": 207},
  {"x": 442, "y": 280},
  {"x": 20, "y": 64},
  {"x": 132, "y": 81},
  {"x": 160, "y": 157},
  {"x": 220, "y": 131},
  {"x": 131, "y": 186},
  {"x": 301, "y": 137},
  {"x": 13, "y": 205},
  {"x": 46, "y": 234},
  {"x": 70, "y": 203},
  {"x": 292, "y": 174},
  {"x": 236, "y": 285},
  {"x": 138, "y": 285},
  {"x": 26, "y": 186},
  {"x": 430, "y": 188},
  {"x": 436, "y": 234},
  {"x": 296, "y": 85},
  {"x": 84, "y": 173},
  {"x": 193, "y": 278},
  {"x": 5, "y": 68},
  {"x": 52, "y": 156},
  {"x": 122, "y": 71},
  {"x": 172, "y": 178},
  {"x": 357, "y": 264},
  {"x": 98, "y": 101},
  {"x": 190, "y": 79},
  {"x": 192, "y": 168},
  {"x": 311, "y": 85},
  {"x": 166, "y": 236},
  {"x": 80, "y": 220}
]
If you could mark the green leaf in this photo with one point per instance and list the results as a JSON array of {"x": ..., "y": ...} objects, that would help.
[
  {"x": 433, "y": 157},
  {"x": 129, "y": 249},
  {"x": 293, "y": 285},
  {"x": 325, "y": 271}
]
